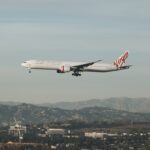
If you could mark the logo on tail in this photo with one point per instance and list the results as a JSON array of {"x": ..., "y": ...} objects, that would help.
[{"x": 121, "y": 60}]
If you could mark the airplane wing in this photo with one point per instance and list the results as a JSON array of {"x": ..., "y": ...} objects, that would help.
[{"x": 80, "y": 67}]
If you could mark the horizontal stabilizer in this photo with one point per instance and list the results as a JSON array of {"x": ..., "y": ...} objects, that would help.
[{"x": 125, "y": 67}]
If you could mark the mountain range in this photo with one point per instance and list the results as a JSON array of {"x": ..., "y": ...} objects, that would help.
[
  {"x": 141, "y": 105},
  {"x": 28, "y": 113}
]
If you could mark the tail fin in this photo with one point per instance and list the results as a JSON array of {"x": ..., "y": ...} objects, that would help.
[{"x": 121, "y": 60}]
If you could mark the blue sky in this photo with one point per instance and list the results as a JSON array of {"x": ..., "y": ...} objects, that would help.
[{"x": 78, "y": 30}]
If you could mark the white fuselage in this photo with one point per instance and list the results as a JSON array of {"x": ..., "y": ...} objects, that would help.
[
  {"x": 78, "y": 67},
  {"x": 56, "y": 65}
]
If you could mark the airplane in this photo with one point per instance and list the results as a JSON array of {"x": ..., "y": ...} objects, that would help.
[{"x": 78, "y": 67}]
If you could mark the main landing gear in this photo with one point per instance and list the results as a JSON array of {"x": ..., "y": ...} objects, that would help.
[{"x": 76, "y": 74}]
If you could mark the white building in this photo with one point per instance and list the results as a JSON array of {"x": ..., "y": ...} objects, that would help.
[
  {"x": 54, "y": 131},
  {"x": 94, "y": 134},
  {"x": 98, "y": 134},
  {"x": 17, "y": 130}
]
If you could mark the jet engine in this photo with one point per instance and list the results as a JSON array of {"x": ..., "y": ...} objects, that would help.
[{"x": 64, "y": 69}]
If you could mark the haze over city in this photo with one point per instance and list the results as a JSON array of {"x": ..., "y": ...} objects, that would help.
[{"x": 75, "y": 31}]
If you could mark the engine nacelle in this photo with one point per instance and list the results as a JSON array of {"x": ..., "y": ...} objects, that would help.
[{"x": 64, "y": 69}]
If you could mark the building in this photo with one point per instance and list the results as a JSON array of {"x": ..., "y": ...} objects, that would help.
[
  {"x": 94, "y": 134},
  {"x": 54, "y": 131},
  {"x": 98, "y": 135},
  {"x": 17, "y": 130}
]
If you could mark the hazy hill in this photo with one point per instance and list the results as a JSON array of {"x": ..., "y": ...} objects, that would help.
[
  {"x": 127, "y": 104},
  {"x": 28, "y": 113}
]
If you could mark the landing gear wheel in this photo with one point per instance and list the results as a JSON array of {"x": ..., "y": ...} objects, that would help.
[{"x": 76, "y": 74}]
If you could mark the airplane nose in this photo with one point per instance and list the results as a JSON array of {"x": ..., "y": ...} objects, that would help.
[{"x": 23, "y": 64}]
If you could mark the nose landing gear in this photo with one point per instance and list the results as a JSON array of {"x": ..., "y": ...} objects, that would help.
[{"x": 29, "y": 70}]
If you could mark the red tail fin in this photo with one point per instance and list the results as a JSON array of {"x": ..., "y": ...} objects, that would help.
[{"x": 121, "y": 60}]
